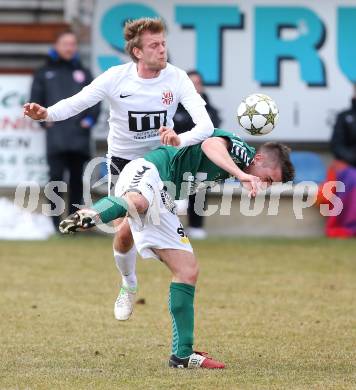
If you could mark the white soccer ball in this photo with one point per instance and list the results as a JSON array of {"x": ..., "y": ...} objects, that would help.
[{"x": 257, "y": 114}]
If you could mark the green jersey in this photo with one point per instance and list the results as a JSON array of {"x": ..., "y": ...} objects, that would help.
[{"x": 189, "y": 169}]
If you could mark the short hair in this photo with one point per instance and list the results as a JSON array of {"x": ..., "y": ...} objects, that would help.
[
  {"x": 281, "y": 154},
  {"x": 194, "y": 73},
  {"x": 134, "y": 29},
  {"x": 60, "y": 34}
]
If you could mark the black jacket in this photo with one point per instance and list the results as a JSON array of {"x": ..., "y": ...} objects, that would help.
[
  {"x": 57, "y": 80},
  {"x": 343, "y": 141},
  {"x": 183, "y": 121}
]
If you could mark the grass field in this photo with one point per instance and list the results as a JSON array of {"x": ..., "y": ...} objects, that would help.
[{"x": 280, "y": 313}]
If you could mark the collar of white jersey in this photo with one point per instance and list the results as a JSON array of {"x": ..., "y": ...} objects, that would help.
[{"x": 133, "y": 72}]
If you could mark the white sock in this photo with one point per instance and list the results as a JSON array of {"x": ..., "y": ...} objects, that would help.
[{"x": 126, "y": 264}]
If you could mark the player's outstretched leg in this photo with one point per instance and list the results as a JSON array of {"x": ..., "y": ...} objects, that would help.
[{"x": 105, "y": 210}]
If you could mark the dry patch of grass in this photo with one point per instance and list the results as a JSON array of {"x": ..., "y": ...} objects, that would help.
[{"x": 280, "y": 313}]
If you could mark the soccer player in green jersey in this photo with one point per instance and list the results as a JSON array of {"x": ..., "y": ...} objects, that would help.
[{"x": 145, "y": 193}]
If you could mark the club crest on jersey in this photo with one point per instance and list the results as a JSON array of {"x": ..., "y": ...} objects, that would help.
[{"x": 167, "y": 97}]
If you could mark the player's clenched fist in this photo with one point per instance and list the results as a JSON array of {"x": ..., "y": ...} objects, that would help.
[
  {"x": 35, "y": 111},
  {"x": 168, "y": 136}
]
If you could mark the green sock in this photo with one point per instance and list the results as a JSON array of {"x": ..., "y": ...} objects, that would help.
[
  {"x": 110, "y": 208},
  {"x": 181, "y": 307}
]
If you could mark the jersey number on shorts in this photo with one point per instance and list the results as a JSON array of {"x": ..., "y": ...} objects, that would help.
[{"x": 181, "y": 231}]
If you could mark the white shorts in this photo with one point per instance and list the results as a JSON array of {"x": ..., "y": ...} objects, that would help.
[{"x": 160, "y": 227}]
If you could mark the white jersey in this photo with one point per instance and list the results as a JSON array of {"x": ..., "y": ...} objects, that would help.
[{"x": 139, "y": 107}]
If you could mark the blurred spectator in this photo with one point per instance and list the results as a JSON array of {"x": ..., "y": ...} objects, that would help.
[
  {"x": 343, "y": 169},
  {"x": 183, "y": 122},
  {"x": 343, "y": 142},
  {"x": 68, "y": 141}
]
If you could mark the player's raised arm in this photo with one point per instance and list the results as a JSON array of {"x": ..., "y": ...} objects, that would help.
[
  {"x": 90, "y": 95},
  {"x": 216, "y": 149},
  {"x": 195, "y": 105}
]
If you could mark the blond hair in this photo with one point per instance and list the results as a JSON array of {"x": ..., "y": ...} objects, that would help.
[{"x": 134, "y": 29}]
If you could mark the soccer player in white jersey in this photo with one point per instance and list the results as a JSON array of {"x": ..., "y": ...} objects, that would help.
[{"x": 143, "y": 97}]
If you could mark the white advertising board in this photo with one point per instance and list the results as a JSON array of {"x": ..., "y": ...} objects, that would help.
[
  {"x": 301, "y": 53},
  {"x": 22, "y": 141}
]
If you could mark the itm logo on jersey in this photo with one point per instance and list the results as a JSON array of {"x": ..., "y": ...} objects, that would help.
[
  {"x": 147, "y": 120},
  {"x": 167, "y": 97}
]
